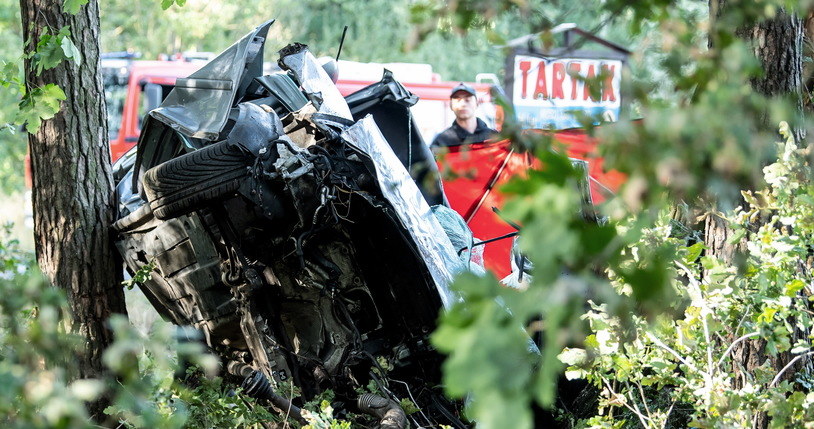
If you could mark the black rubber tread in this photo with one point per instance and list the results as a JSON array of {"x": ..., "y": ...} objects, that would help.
[{"x": 182, "y": 184}]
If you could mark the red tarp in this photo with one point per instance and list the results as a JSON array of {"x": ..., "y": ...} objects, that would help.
[{"x": 481, "y": 169}]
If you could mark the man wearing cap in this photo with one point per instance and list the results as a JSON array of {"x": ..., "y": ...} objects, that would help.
[{"x": 467, "y": 127}]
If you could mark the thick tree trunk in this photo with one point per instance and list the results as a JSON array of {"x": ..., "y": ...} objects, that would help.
[
  {"x": 778, "y": 44},
  {"x": 73, "y": 185}
]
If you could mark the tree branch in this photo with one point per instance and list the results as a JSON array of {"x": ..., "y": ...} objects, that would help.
[
  {"x": 642, "y": 418},
  {"x": 789, "y": 365},
  {"x": 659, "y": 343},
  {"x": 735, "y": 343}
]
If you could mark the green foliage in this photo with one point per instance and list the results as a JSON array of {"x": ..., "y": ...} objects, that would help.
[
  {"x": 637, "y": 354},
  {"x": 38, "y": 105},
  {"x": 72, "y": 6},
  {"x": 691, "y": 356},
  {"x": 42, "y": 103},
  {"x": 404, "y": 32},
  {"x": 143, "y": 274},
  {"x": 409, "y": 406},
  {"x": 664, "y": 154},
  {"x": 200, "y": 402},
  {"x": 166, "y": 4},
  {"x": 35, "y": 391},
  {"x": 12, "y": 143},
  {"x": 489, "y": 354},
  {"x": 213, "y": 404},
  {"x": 197, "y": 26},
  {"x": 487, "y": 333},
  {"x": 324, "y": 418},
  {"x": 663, "y": 315},
  {"x": 146, "y": 370},
  {"x": 52, "y": 49}
]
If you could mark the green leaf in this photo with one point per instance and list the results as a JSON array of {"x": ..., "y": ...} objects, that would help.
[
  {"x": 9, "y": 74},
  {"x": 142, "y": 275},
  {"x": 40, "y": 104},
  {"x": 737, "y": 236},
  {"x": 694, "y": 252},
  {"x": 496, "y": 411},
  {"x": 483, "y": 337},
  {"x": 70, "y": 50},
  {"x": 48, "y": 53},
  {"x": 52, "y": 49},
  {"x": 166, "y": 4},
  {"x": 767, "y": 315},
  {"x": 572, "y": 356},
  {"x": 72, "y": 6},
  {"x": 793, "y": 287},
  {"x": 650, "y": 278}
]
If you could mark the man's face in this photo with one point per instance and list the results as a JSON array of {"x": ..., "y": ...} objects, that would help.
[{"x": 463, "y": 104}]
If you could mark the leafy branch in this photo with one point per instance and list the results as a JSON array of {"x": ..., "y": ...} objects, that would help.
[
  {"x": 143, "y": 274},
  {"x": 52, "y": 49}
]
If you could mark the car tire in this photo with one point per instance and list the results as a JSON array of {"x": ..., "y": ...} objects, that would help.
[{"x": 183, "y": 184}]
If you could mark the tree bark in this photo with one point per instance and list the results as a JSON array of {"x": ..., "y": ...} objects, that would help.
[
  {"x": 808, "y": 70},
  {"x": 73, "y": 184},
  {"x": 778, "y": 44}
]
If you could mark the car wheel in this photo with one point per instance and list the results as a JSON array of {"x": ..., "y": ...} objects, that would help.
[{"x": 183, "y": 184}]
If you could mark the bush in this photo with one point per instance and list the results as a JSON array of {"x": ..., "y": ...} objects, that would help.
[{"x": 691, "y": 358}]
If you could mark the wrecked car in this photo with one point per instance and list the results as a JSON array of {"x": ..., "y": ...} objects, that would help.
[{"x": 293, "y": 228}]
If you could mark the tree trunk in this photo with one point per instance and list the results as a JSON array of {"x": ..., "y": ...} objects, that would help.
[
  {"x": 778, "y": 44},
  {"x": 808, "y": 69},
  {"x": 72, "y": 183}
]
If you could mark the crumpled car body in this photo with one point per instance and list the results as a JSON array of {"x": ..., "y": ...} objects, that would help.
[{"x": 293, "y": 228}]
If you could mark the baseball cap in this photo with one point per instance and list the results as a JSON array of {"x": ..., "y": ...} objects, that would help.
[{"x": 463, "y": 87}]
